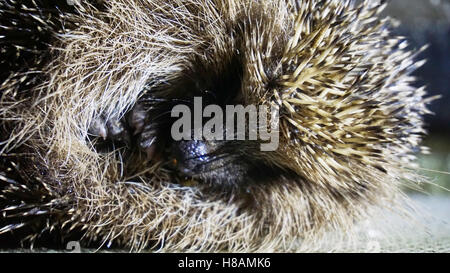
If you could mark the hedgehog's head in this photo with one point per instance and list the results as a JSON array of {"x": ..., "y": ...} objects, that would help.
[
  {"x": 347, "y": 119},
  {"x": 338, "y": 82}
]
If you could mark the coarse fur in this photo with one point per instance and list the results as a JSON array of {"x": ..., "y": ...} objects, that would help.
[{"x": 350, "y": 121}]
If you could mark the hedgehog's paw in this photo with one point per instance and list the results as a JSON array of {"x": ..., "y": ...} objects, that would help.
[
  {"x": 148, "y": 139},
  {"x": 144, "y": 129},
  {"x": 136, "y": 119},
  {"x": 98, "y": 128},
  {"x": 133, "y": 131},
  {"x": 110, "y": 130}
]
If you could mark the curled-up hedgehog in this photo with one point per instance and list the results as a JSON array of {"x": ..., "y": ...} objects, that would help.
[{"x": 85, "y": 115}]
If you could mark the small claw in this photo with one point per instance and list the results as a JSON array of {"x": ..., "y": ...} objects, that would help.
[
  {"x": 136, "y": 119},
  {"x": 103, "y": 133},
  {"x": 115, "y": 127},
  {"x": 117, "y": 130},
  {"x": 98, "y": 128}
]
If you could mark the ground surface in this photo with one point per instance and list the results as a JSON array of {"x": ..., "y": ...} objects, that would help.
[{"x": 431, "y": 232}]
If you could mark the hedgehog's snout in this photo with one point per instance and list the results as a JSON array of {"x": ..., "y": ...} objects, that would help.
[
  {"x": 190, "y": 157},
  {"x": 204, "y": 161}
]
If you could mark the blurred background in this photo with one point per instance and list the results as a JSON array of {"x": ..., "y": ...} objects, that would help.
[{"x": 428, "y": 22}]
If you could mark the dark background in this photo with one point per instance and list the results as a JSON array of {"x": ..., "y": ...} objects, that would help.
[{"x": 428, "y": 22}]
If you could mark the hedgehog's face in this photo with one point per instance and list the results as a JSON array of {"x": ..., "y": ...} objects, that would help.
[
  {"x": 234, "y": 64},
  {"x": 330, "y": 95},
  {"x": 224, "y": 162}
]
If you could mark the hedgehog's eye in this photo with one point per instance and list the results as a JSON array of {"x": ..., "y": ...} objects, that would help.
[{"x": 220, "y": 85}]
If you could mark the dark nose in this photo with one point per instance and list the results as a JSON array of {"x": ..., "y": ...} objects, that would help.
[{"x": 191, "y": 157}]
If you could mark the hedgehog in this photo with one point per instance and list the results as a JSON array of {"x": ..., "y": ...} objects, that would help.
[{"x": 86, "y": 97}]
